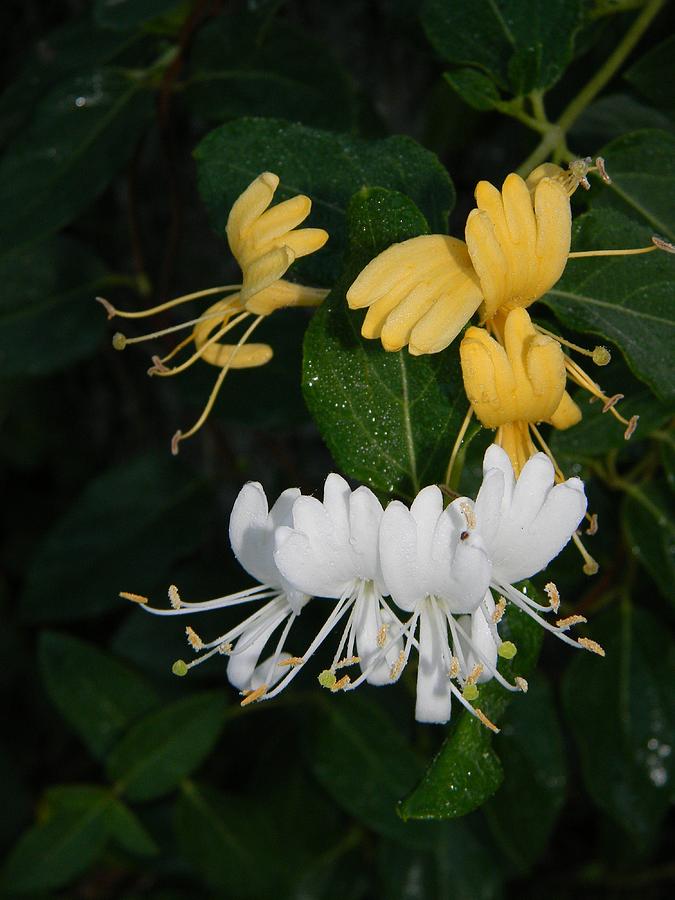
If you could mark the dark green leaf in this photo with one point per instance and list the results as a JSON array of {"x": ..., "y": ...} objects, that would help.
[
  {"x": 128, "y": 14},
  {"x": 474, "y": 88},
  {"x": 524, "y": 811},
  {"x": 627, "y": 300},
  {"x": 166, "y": 746},
  {"x": 329, "y": 168},
  {"x": 82, "y": 133},
  {"x": 242, "y": 67},
  {"x": 621, "y": 712},
  {"x": 611, "y": 117},
  {"x": 127, "y": 831},
  {"x": 668, "y": 458},
  {"x": 389, "y": 419},
  {"x": 47, "y": 315},
  {"x": 97, "y": 695},
  {"x": 467, "y": 771},
  {"x": 122, "y": 533},
  {"x": 650, "y": 531},
  {"x": 522, "y": 46},
  {"x": 652, "y": 74},
  {"x": 51, "y": 854}
]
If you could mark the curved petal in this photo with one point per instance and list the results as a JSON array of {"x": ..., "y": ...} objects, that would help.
[
  {"x": 488, "y": 506},
  {"x": 252, "y": 534},
  {"x": 365, "y": 515},
  {"x": 398, "y": 556},
  {"x": 434, "y": 698},
  {"x": 305, "y": 568},
  {"x": 336, "y": 494}
]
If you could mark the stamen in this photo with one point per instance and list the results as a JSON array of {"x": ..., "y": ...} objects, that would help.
[
  {"x": 382, "y": 634},
  {"x": 581, "y": 254},
  {"x": 113, "y": 311},
  {"x": 158, "y": 362},
  {"x": 396, "y": 669},
  {"x": 590, "y": 566},
  {"x": 662, "y": 244},
  {"x": 120, "y": 341},
  {"x": 601, "y": 170},
  {"x": 469, "y": 515},
  {"x": 341, "y": 684},
  {"x": 457, "y": 445},
  {"x": 611, "y": 402},
  {"x": 225, "y": 648},
  {"x": 553, "y": 596},
  {"x": 135, "y": 598},
  {"x": 180, "y": 668},
  {"x": 593, "y": 646},
  {"x": 498, "y": 614},
  {"x": 630, "y": 430},
  {"x": 194, "y": 640},
  {"x": 484, "y": 719},
  {"x": 174, "y": 597},
  {"x": 593, "y": 524},
  {"x": 221, "y": 332},
  {"x": 475, "y": 674},
  {"x": 521, "y": 683},
  {"x": 107, "y": 305},
  {"x": 599, "y": 354},
  {"x": 348, "y": 661},
  {"x": 564, "y": 624},
  {"x": 291, "y": 661},
  {"x": 453, "y": 671},
  {"x": 252, "y": 696},
  {"x": 327, "y": 679}
]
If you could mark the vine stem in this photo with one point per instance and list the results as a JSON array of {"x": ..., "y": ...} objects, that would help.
[{"x": 554, "y": 137}]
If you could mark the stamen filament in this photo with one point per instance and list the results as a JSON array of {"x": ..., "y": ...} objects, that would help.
[
  {"x": 185, "y": 298},
  {"x": 582, "y": 254},
  {"x": 157, "y": 334},
  {"x": 600, "y": 355},
  {"x": 590, "y": 566},
  {"x": 457, "y": 445},
  {"x": 200, "y": 351}
]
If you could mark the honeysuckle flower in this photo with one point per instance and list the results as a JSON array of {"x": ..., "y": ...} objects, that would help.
[
  {"x": 436, "y": 567},
  {"x": 265, "y": 240},
  {"x": 252, "y": 530},
  {"x": 423, "y": 291},
  {"x": 332, "y": 551}
]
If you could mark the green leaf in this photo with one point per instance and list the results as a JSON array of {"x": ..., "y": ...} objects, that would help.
[
  {"x": 389, "y": 419},
  {"x": 524, "y": 811},
  {"x": 166, "y": 746},
  {"x": 624, "y": 299},
  {"x": 466, "y": 770},
  {"x": 650, "y": 531},
  {"x": 128, "y": 14},
  {"x": 242, "y": 66},
  {"x": 642, "y": 168},
  {"x": 522, "y": 46},
  {"x": 329, "y": 168},
  {"x": 611, "y": 117},
  {"x": 474, "y": 87},
  {"x": 82, "y": 133},
  {"x": 651, "y": 74},
  {"x": 53, "y": 853},
  {"x": 97, "y": 695},
  {"x": 47, "y": 315},
  {"x": 123, "y": 533},
  {"x": 621, "y": 712},
  {"x": 364, "y": 763},
  {"x": 126, "y": 830}
]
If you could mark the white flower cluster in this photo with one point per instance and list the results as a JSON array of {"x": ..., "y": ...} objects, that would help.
[{"x": 424, "y": 577}]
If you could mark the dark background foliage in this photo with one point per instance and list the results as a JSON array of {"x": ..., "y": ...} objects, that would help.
[{"x": 119, "y": 780}]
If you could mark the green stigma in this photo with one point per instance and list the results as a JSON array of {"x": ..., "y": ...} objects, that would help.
[
  {"x": 119, "y": 341},
  {"x": 507, "y": 650},
  {"x": 601, "y": 356},
  {"x": 179, "y": 668},
  {"x": 470, "y": 692},
  {"x": 327, "y": 679}
]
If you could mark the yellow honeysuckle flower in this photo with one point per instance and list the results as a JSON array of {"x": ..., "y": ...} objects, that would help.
[
  {"x": 423, "y": 291},
  {"x": 265, "y": 242}
]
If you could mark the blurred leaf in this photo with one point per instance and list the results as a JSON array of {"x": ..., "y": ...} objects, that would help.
[
  {"x": 642, "y": 167},
  {"x": 668, "y": 459},
  {"x": 466, "y": 770},
  {"x": 242, "y": 66},
  {"x": 652, "y": 74},
  {"x": 456, "y": 867},
  {"x": 81, "y": 134},
  {"x": 47, "y": 315},
  {"x": 611, "y": 117},
  {"x": 524, "y": 811},
  {"x": 51, "y": 854},
  {"x": 389, "y": 419},
  {"x": 621, "y": 712},
  {"x": 328, "y": 167},
  {"x": 125, "y": 828},
  {"x": 124, "y": 532},
  {"x": 627, "y": 300},
  {"x": 97, "y": 695},
  {"x": 522, "y": 46},
  {"x": 364, "y": 763},
  {"x": 474, "y": 87},
  {"x": 650, "y": 530},
  {"x": 128, "y": 14},
  {"x": 14, "y": 791},
  {"x": 166, "y": 746}
]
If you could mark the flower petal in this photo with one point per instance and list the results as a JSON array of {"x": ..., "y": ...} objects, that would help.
[
  {"x": 434, "y": 698},
  {"x": 398, "y": 556},
  {"x": 365, "y": 515},
  {"x": 305, "y": 567},
  {"x": 252, "y": 535}
]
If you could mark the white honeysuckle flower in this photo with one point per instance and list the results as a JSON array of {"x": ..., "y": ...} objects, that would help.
[
  {"x": 435, "y": 566},
  {"x": 525, "y": 523},
  {"x": 252, "y": 531},
  {"x": 332, "y": 551}
]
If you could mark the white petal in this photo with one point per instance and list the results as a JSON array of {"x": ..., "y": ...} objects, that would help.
[
  {"x": 497, "y": 458},
  {"x": 240, "y": 666},
  {"x": 483, "y": 640},
  {"x": 282, "y": 511},
  {"x": 306, "y": 568},
  {"x": 336, "y": 494},
  {"x": 425, "y": 510},
  {"x": 398, "y": 556},
  {"x": 251, "y": 534},
  {"x": 330, "y": 542},
  {"x": 367, "y": 624},
  {"x": 489, "y": 506},
  {"x": 469, "y": 576},
  {"x": 534, "y": 482},
  {"x": 365, "y": 515},
  {"x": 434, "y": 698}
]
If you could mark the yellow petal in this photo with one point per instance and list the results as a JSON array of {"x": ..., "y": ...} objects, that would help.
[
  {"x": 304, "y": 241},
  {"x": 567, "y": 413},
  {"x": 443, "y": 322},
  {"x": 402, "y": 319},
  {"x": 554, "y": 232},
  {"x": 378, "y": 312},
  {"x": 488, "y": 260},
  {"x": 265, "y": 271},
  {"x": 248, "y": 356},
  {"x": 283, "y": 294},
  {"x": 545, "y": 170},
  {"x": 280, "y": 219},
  {"x": 522, "y": 232},
  {"x": 248, "y": 207},
  {"x": 488, "y": 377}
]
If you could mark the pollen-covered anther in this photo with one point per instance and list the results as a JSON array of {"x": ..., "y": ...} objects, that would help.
[
  {"x": 453, "y": 671},
  {"x": 382, "y": 634},
  {"x": 348, "y": 661},
  {"x": 135, "y": 598},
  {"x": 157, "y": 366},
  {"x": 499, "y": 610},
  {"x": 252, "y": 696},
  {"x": 225, "y": 648},
  {"x": 110, "y": 309},
  {"x": 610, "y": 402},
  {"x": 475, "y": 674},
  {"x": 659, "y": 242},
  {"x": 564, "y": 624},
  {"x": 592, "y": 524},
  {"x": 396, "y": 669},
  {"x": 193, "y": 639},
  {"x": 553, "y": 596},
  {"x": 484, "y": 719},
  {"x": 175, "y": 441},
  {"x": 521, "y": 683},
  {"x": 291, "y": 661},
  {"x": 469, "y": 515},
  {"x": 174, "y": 597},
  {"x": 630, "y": 428},
  {"x": 601, "y": 170},
  {"x": 591, "y": 645},
  {"x": 341, "y": 684}
]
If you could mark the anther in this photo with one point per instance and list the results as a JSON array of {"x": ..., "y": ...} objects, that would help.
[
  {"x": 395, "y": 670},
  {"x": 663, "y": 244},
  {"x": 601, "y": 355},
  {"x": 507, "y": 650},
  {"x": 252, "y": 696},
  {"x": 475, "y": 674},
  {"x": 135, "y": 598},
  {"x": 225, "y": 648},
  {"x": 291, "y": 661},
  {"x": 110, "y": 309},
  {"x": 175, "y": 441},
  {"x": 342, "y": 683},
  {"x": 348, "y": 661},
  {"x": 498, "y": 614},
  {"x": 611, "y": 402},
  {"x": 593, "y": 646},
  {"x": 564, "y": 624},
  {"x": 453, "y": 671},
  {"x": 157, "y": 366},
  {"x": 521, "y": 683},
  {"x": 174, "y": 597},
  {"x": 630, "y": 429},
  {"x": 180, "y": 668},
  {"x": 484, "y": 719},
  {"x": 553, "y": 596},
  {"x": 592, "y": 524},
  {"x": 327, "y": 679},
  {"x": 469, "y": 515},
  {"x": 382, "y": 634},
  {"x": 194, "y": 640},
  {"x": 470, "y": 692},
  {"x": 119, "y": 341}
]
